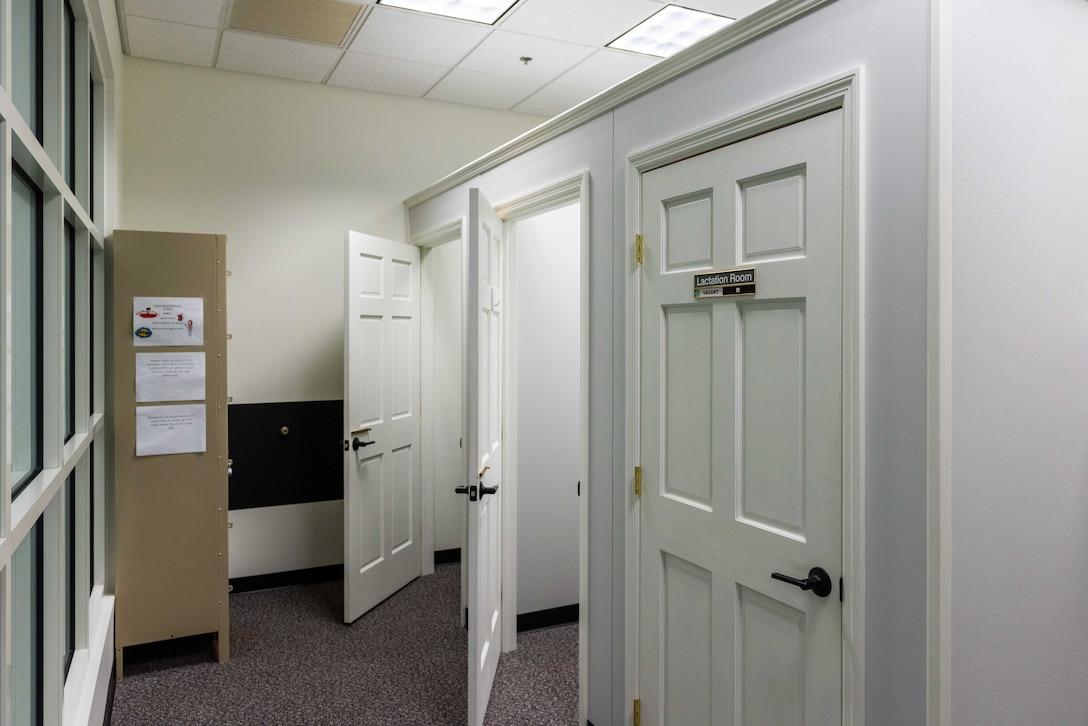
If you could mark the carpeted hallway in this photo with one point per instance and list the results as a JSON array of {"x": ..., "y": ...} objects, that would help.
[{"x": 294, "y": 662}]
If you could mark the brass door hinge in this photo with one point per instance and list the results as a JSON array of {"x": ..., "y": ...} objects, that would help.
[
  {"x": 638, "y": 712},
  {"x": 638, "y": 481},
  {"x": 638, "y": 250}
]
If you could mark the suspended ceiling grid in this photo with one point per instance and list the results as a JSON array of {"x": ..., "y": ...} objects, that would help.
[{"x": 373, "y": 47}]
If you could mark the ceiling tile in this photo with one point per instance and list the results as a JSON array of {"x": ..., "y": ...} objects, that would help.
[
  {"x": 595, "y": 23},
  {"x": 483, "y": 89},
  {"x": 268, "y": 56},
  {"x": 317, "y": 21},
  {"x": 171, "y": 42},
  {"x": 417, "y": 37},
  {"x": 606, "y": 68},
  {"x": 204, "y": 13},
  {"x": 410, "y": 53},
  {"x": 501, "y": 53},
  {"x": 386, "y": 75},
  {"x": 553, "y": 99}
]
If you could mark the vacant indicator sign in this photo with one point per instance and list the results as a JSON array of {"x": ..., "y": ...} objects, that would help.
[{"x": 726, "y": 283}]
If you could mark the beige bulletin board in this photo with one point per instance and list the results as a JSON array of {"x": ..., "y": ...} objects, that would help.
[{"x": 169, "y": 341}]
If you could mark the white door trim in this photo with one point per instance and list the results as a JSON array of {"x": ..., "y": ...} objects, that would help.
[
  {"x": 567, "y": 191},
  {"x": 432, "y": 238},
  {"x": 840, "y": 92}
]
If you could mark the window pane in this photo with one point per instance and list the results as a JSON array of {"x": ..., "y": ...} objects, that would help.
[
  {"x": 70, "y": 96},
  {"x": 70, "y": 571},
  {"x": 96, "y": 261},
  {"x": 26, "y": 60},
  {"x": 26, "y": 630},
  {"x": 90, "y": 518},
  {"x": 26, "y": 327},
  {"x": 70, "y": 331},
  {"x": 91, "y": 143}
]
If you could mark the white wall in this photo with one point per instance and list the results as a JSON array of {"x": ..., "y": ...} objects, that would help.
[
  {"x": 548, "y": 320},
  {"x": 284, "y": 168},
  {"x": 443, "y": 267},
  {"x": 1012, "y": 160},
  {"x": 889, "y": 41}
]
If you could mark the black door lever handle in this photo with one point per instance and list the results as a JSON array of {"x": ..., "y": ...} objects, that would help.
[
  {"x": 819, "y": 582},
  {"x": 356, "y": 444}
]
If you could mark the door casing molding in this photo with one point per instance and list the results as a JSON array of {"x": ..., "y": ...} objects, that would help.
[{"x": 839, "y": 92}]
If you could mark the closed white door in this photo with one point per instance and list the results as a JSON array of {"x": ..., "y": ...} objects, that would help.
[
  {"x": 382, "y": 549},
  {"x": 741, "y": 434},
  {"x": 485, "y": 424}
]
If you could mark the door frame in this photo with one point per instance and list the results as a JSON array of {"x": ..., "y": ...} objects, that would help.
[
  {"x": 572, "y": 190},
  {"x": 567, "y": 191},
  {"x": 839, "y": 92}
]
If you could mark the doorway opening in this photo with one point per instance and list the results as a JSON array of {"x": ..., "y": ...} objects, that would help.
[{"x": 545, "y": 369}]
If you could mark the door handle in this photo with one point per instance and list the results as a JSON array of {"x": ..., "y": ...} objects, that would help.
[
  {"x": 356, "y": 444},
  {"x": 488, "y": 490},
  {"x": 818, "y": 581},
  {"x": 469, "y": 490}
]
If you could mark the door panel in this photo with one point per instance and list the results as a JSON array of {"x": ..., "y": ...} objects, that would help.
[
  {"x": 484, "y": 382},
  {"x": 741, "y": 439},
  {"x": 382, "y": 549}
]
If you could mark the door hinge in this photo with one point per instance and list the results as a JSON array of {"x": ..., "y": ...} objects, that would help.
[
  {"x": 638, "y": 481},
  {"x": 638, "y": 712},
  {"x": 638, "y": 250}
]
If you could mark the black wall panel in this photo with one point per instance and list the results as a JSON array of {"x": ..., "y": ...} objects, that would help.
[{"x": 272, "y": 468}]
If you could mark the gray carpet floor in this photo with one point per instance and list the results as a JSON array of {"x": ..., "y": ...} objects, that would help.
[{"x": 293, "y": 661}]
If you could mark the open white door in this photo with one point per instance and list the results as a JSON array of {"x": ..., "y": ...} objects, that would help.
[
  {"x": 483, "y": 378},
  {"x": 382, "y": 549}
]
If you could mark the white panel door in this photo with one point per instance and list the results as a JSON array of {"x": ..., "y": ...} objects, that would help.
[
  {"x": 484, "y": 382},
  {"x": 741, "y": 434},
  {"x": 382, "y": 549}
]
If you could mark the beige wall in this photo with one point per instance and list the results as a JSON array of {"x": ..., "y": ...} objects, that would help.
[{"x": 284, "y": 168}]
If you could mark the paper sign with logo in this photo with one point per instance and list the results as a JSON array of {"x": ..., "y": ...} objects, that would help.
[{"x": 168, "y": 321}]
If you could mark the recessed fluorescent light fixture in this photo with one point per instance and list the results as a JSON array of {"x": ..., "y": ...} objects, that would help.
[
  {"x": 478, "y": 11},
  {"x": 670, "y": 29}
]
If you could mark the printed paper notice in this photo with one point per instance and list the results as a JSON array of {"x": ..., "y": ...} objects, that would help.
[
  {"x": 168, "y": 320},
  {"x": 171, "y": 429},
  {"x": 169, "y": 377}
]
